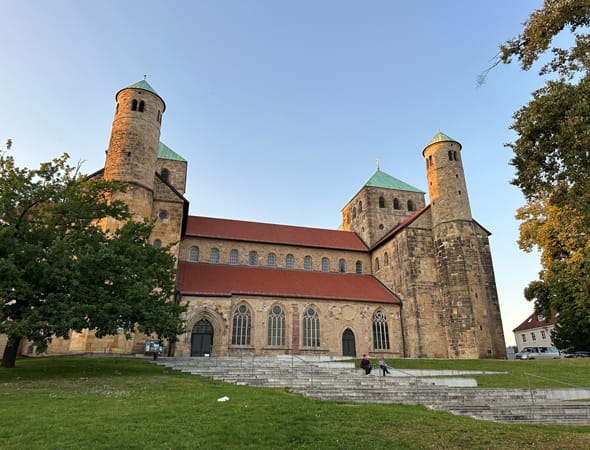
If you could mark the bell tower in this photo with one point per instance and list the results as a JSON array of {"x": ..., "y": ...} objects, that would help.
[{"x": 133, "y": 146}]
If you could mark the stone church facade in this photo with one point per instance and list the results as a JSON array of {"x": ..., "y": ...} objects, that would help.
[{"x": 399, "y": 277}]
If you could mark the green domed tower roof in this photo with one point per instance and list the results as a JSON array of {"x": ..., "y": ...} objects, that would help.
[
  {"x": 441, "y": 137},
  {"x": 144, "y": 85}
]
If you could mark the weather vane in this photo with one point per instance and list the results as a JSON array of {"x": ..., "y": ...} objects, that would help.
[{"x": 378, "y": 165}]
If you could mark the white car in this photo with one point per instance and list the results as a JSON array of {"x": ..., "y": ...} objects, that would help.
[{"x": 538, "y": 353}]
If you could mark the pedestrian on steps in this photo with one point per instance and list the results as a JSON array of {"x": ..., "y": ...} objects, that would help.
[
  {"x": 366, "y": 365},
  {"x": 383, "y": 365}
]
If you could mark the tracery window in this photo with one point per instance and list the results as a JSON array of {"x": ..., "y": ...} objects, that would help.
[
  {"x": 241, "y": 326},
  {"x": 276, "y": 326},
  {"x": 311, "y": 328},
  {"x": 380, "y": 331}
]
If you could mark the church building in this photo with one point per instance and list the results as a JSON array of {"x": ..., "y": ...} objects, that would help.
[{"x": 400, "y": 277}]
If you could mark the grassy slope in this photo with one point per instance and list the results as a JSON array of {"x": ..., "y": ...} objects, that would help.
[{"x": 71, "y": 403}]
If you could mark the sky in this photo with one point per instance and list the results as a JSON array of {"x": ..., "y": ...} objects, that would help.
[{"x": 282, "y": 108}]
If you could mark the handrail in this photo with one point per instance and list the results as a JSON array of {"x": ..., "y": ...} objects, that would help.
[{"x": 557, "y": 381}]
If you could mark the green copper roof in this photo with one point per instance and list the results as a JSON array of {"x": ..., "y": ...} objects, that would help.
[
  {"x": 143, "y": 84},
  {"x": 382, "y": 180},
  {"x": 165, "y": 152},
  {"x": 441, "y": 137}
]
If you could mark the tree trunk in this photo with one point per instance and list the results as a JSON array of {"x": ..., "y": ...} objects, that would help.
[{"x": 10, "y": 351}]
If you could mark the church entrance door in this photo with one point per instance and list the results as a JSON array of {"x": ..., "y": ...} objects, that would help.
[
  {"x": 202, "y": 338},
  {"x": 348, "y": 344}
]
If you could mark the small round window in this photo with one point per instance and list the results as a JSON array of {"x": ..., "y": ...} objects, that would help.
[
  {"x": 310, "y": 312},
  {"x": 276, "y": 309},
  {"x": 242, "y": 309},
  {"x": 163, "y": 215}
]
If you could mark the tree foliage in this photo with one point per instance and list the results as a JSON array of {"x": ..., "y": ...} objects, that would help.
[
  {"x": 61, "y": 271},
  {"x": 552, "y": 162}
]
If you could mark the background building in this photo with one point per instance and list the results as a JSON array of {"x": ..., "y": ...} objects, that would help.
[{"x": 534, "y": 331}]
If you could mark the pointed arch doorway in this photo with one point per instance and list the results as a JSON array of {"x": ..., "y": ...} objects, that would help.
[
  {"x": 202, "y": 338},
  {"x": 348, "y": 343}
]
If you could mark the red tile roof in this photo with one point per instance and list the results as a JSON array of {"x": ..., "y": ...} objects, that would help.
[
  {"x": 239, "y": 230},
  {"x": 226, "y": 280},
  {"x": 533, "y": 321}
]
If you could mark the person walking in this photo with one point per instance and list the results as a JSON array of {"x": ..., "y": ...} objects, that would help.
[{"x": 383, "y": 365}]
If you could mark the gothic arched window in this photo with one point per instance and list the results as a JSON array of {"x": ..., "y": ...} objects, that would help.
[
  {"x": 380, "y": 331},
  {"x": 276, "y": 326},
  {"x": 311, "y": 328},
  {"x": 241, "y": 326}
]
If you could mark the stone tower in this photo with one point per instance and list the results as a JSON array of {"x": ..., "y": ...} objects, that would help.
[
  {"x": 133, "y": 147},
  {"x": 462, "y": 256}
]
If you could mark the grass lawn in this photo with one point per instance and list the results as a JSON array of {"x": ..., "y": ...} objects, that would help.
[{"x": 74, "y": 403}]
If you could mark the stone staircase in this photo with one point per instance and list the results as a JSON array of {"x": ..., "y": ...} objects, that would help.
[{"x": 330, "y": 380}]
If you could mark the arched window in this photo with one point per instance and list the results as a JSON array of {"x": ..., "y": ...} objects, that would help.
[
  {"x": 395, "y": 203},
  {"x": 360, "y": 207},
  {"x": 290, "y": 261},
  {"x": 311, "y": 328},
  {"x": 386, "y": 259},
  {"x": 157, "y": 243},
  {"x": 325, "y": 264},
  {"x": 214, "y": 258},
  {"x": 233, "y": 257},
  {"x": 455, "y": 155},
  {"x": 165, "y": 175},
  {"x": 276, "y": 326},
  {"x": 342, "y": 266},
  {"x": 381, "y": 202},
  {"x": 450, "y": 155},
  {"x": 241, "y": 326},
  {"x": 271, "y": 260},
  {"x": 359, "y": 267},
  {"x": 307, "y": 262},
  {"x": 430, "y": 160},
  {"x": 410, "y": 205},
  {"x": 141, "y": 106},
  {"x": 253, "y": 258},
  {"x": 134, "y": 105},
  {"x": 427, "y": 163},
  {"x": 380, "y": 331},
  {"x": 354, "y": 212},
  {"x": 193, "y": 254},
  {"x": 159, "y": 116},
  {"x": 376, "y": 263}
]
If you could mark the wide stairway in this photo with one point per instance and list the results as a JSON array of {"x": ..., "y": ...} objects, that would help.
[{"x": 328, "y": 380}]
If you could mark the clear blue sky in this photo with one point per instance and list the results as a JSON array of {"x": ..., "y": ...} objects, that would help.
[{"x": 281, "y": 107}]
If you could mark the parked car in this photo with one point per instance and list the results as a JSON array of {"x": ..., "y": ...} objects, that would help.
[
  {"x": 538, "y": 353},
  {"x": 582, "y": 354}
]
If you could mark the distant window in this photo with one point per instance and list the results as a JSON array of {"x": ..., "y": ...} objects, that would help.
[
  {"x": 311, "y": 328},
  {"x": 430, "y": 160},
  {"x": 325, "y": 265},
  {"x": 354, "y": 212},
  {"x": 271, "y": 260},
  {"x": 381, "y": 202},
  {"x": 342, "y": 266},
  {"x": 134, "y": 105},
  {"x": 386, "y": 259},
  {"x": 410, "y": 205},
  {"x": 193, "y": 254},
  {"x": 541, "y": 318},
  {"x": 543, "y": 335},
  {"x": 307, "y": 263},
  {"x": 533, "y": 336},
  {"x": 360, "y": 207},
  {"x": 455, "y": 156},
  {"x": 376, "y": 263},
  {"x": 253, "y": 258},
  {"x": 290, "y": 261},
  {"x": 241, "y": 326},
  {"x": 276, "y": 326},
  {"x": 395, "y": 203},
  {"x": 157, "y": 243},
  {"x": 523, "y": 336},
  {"x": 163, "y": 215},
  {"x": 165, "y": 175},
  {"x": 450, "y": 155},
  {"x": 214, "y": 258},
  {"x": 380, "y": 331},
  {"x": 233, "y": 257},
  {"x": 141, "y": 106},
  {"x": 359, "y": 267},
  {"x": 159, "y": 116}
]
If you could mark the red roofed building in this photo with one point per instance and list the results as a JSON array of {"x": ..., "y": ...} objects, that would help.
[
  {"x": 400, "y": 277},
  {"x": 535, "y": 331}
]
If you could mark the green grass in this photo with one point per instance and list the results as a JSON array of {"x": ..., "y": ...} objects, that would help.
[{"x": 67, "y": 403}]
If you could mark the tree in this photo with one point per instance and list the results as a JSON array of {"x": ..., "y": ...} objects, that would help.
[
  {"x": 552, "y": 161},
  {"x": 61, "y": 271}
]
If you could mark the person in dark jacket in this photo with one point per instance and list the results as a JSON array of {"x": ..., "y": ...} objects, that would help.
[{"x": 366, "y": 365}]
